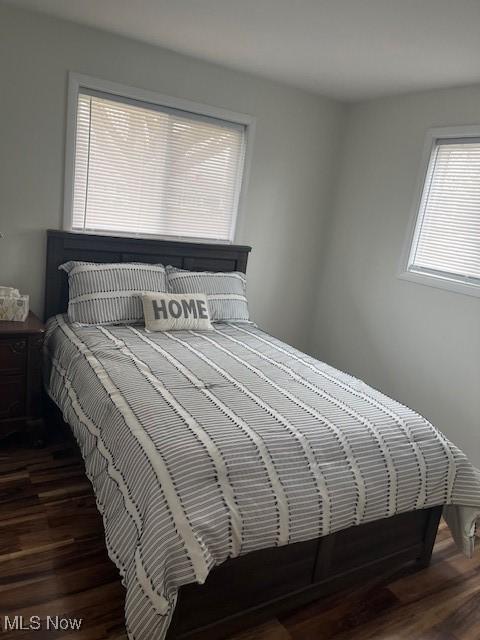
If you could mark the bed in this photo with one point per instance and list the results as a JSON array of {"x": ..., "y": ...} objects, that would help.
[{"x": 238, "y": 477}]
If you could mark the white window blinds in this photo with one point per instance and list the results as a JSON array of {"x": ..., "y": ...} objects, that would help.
[
  {"x": 144, "y": 169},
  {"x": 446, "y": 242}
]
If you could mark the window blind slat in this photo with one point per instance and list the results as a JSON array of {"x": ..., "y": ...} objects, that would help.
[
  {"x": 447, "y": 237},
  {"x": 146, "y": 170}
]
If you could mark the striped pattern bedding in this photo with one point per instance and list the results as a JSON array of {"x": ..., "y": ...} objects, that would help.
[
  {"x": 202, "y": 446},
  {"x": 111, "y": 293},
  {"x": 226, "y": 291}
]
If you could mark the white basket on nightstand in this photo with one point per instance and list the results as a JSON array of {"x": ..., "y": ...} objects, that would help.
[{"x": 13, "y": 305}]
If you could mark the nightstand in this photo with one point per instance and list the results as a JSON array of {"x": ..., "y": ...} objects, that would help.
[{"x": 21, "y": 378}]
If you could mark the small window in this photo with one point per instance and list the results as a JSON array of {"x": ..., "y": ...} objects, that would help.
[
  {"x": 150, "y": 169},
  {"x": 445, "y": 245}
]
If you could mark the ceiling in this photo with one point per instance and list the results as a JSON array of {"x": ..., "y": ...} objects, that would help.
[{"x": 348, "y": 49}]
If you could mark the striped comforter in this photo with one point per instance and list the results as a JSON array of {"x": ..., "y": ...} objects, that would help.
[{"x": 202, "y": 446}]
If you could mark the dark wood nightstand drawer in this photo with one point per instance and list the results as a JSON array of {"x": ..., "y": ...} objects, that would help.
[
  {"x": 12, "y": 397},
  {"x": 21, "y": 378},
  {"x": 13, "y": 356}
]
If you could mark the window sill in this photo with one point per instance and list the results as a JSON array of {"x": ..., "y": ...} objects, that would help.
[
  {"x": 441, "y": 282},
  {"x": 147, "y": 236}
]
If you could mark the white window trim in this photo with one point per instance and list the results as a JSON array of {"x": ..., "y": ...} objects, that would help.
[
  {"x": 436, "y": 280},
  {"x": 78, "y": 81}
]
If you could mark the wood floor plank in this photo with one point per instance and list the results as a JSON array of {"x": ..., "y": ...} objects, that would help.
[
  {"x": 272, "y": 630},
  {"x": 53, "y": 561},
  {"x": 345, "y": 614}
]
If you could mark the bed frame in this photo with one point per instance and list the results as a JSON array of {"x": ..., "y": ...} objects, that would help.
[{"x": 262, "y": 584}]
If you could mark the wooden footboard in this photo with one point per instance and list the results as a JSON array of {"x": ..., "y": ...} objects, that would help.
[{"x": 252, "y": 588}]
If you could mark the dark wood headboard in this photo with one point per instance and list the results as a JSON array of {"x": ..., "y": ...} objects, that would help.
[{"x": 63, "y": 246}]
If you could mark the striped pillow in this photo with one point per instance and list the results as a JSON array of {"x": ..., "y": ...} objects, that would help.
[
  {"x": 111, "y": 293},
  {"x": 225, "y": 291}
]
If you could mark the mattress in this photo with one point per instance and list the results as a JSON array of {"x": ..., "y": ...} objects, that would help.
[{"x": 203, "y": 446}]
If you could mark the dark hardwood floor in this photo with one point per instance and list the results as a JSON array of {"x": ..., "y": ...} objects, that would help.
[{"x": 53, "y": 561}]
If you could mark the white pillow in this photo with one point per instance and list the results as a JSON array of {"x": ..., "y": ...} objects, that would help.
[{"x": 176, "y": 312}]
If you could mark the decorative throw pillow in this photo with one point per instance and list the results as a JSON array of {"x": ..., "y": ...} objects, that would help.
[
  {"x": 225, "y": 291},
  {"x": 175, "y": 312},
  {"x": 111, "y": 293}
]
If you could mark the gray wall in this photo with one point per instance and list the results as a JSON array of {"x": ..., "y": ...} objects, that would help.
[
  {"x": 419, "y": 344},
  {"x": 290, "y": 174}
]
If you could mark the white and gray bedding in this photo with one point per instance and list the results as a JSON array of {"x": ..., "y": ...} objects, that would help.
[{"x": 202, "y": 446}]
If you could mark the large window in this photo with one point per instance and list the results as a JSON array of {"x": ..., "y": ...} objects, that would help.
[
  {"x": 140, "y": 166},
  {"x": 444, "y": 246}
]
